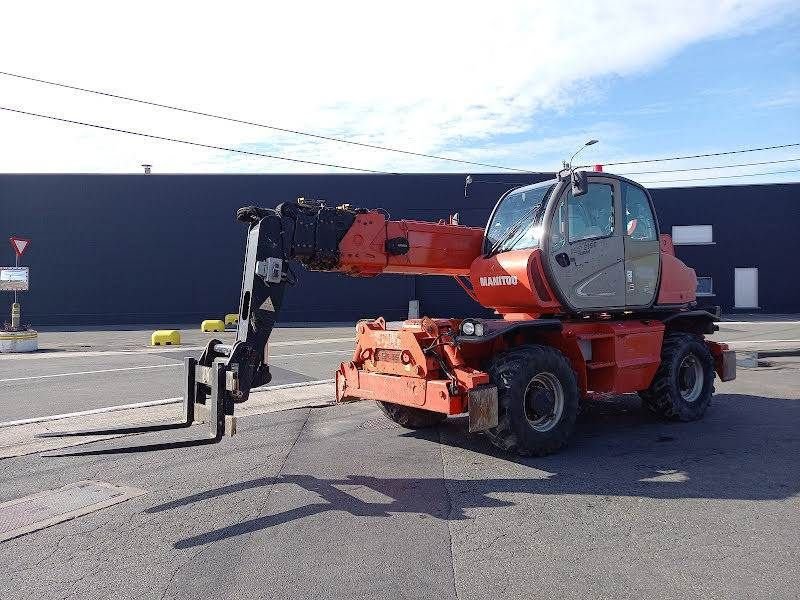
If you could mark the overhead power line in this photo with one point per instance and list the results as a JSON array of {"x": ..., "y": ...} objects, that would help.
[
  {"x": 323, "y": 164},
  {"x": 255, "y": 124},
  {"x": 722, "y": 177},
  {"x": 190, "y": 143},
  {"x": 711, "y": 168},
  {"x": 650, "y": 160},
  {"x": 750, "y": 164},
  {"x": 354, "y": 143}
]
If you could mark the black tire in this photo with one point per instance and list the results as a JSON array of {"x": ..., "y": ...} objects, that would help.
[
  {"x": 410, "y": 417},
  {"x": 532, "y": 421},
  {"x": 676, "y": 392}
]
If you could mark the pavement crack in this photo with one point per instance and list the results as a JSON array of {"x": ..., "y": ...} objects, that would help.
[
  {"x": 448, "y": 516},
  {"x": 245, "y": 544},
  {"x": 279, "y": 472},
  {"x": 294, "y": 443},
  {"x": 172, "y": 577}
]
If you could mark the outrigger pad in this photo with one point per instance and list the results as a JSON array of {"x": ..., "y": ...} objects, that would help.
[{"x": 482, "y": 407}]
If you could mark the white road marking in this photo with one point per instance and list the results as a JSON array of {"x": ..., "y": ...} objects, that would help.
[
  {"x": 174, "y": 365},
  {"x": 158, "y": 350},
  {"x": 351, "y": 339},
  {"x": 758, "y": 322},
  {"x": 760, "y": 341},
  {"x": 93, "y": 411},
  {"x": 271, "y": 356},
  {"x": 10, "y": 379},
  {"x": 105, "y": 409}
]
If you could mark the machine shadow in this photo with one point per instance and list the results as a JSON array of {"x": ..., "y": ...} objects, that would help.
[
  {"x": 742, "y": 435},
  {"x": 746, "y": 449}
]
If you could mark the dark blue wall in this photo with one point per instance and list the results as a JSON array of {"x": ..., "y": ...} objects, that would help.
[
  {"x": 166, "y": 248},
  {"x": 754, "y": 226}
]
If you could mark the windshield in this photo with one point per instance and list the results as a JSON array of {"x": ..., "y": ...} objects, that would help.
[{"x": 515, "y": 223}]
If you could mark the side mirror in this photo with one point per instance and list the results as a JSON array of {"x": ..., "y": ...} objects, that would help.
[{"x": 580, "y": 183}]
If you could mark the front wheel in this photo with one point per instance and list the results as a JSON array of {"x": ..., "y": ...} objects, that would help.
[
  {"x": 684, "y": 383},
  {"x": 537, "y": 396}
]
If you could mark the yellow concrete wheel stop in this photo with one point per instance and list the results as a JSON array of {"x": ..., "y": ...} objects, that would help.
[
  {"x": 212, "y": 325},
  {"x": 231, "y": 319},
  {"x": 165, "y": 337}
]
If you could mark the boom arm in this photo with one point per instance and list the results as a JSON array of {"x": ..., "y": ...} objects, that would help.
[
  {"x": 352, "y": 241},
  {"x": 361, "y": 242}
]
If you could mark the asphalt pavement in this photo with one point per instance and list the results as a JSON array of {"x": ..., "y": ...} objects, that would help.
[
  {"x": 338, "y": 502},
  {"x": 85, "y": 370},
  {"x": 774, "y": 335}
]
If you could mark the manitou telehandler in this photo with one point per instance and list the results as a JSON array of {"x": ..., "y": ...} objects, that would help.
[{"x": 589, "y": 296}]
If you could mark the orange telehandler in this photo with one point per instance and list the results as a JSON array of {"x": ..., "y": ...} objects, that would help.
[{"x": 589, "y": 296}]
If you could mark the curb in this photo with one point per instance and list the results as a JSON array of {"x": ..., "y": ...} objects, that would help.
[
  {"x": 774, "y": 353},
  {"x": 22, "y": 440},
  {"x": 752, "y": 359},
  {"x": 135, "y": 405}
]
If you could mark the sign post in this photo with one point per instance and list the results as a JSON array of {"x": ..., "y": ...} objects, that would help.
[
  {"x": 17, "y": 277},
  {"x": 14, "y": 337}
]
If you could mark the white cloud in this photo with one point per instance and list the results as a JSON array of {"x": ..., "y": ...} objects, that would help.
[
  {"x": 436, "y": 77},
  {"x": 785, "y": 99}
]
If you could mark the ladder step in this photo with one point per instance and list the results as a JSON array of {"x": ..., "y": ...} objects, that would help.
[{"x": 600, "y": 365}]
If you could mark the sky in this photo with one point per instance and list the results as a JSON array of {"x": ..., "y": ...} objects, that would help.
[{"x": 517, "y": 84}]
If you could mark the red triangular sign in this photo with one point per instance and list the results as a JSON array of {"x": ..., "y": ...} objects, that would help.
[{"x": 19, "y": 245}]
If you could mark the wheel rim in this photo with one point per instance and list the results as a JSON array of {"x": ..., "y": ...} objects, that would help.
[
  {"x": 690, "y": 378},
  {"x": 544, "y": 402}
]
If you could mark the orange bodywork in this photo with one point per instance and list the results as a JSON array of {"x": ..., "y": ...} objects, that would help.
[
  {"x": 526, "y": 295},
  {"x": 610, "y": 356},
  {"x": 391, "y": 365},
  {"x": 433, "y": 248},
  {"x": 529, "y": 294},
  {"x": 422, "y": 364},
  {"x": 678, "y": 282},
  {"x": 446, "y": 249}
]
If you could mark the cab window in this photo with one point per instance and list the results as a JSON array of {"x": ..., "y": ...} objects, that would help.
[
  {"x": 558, "y": 230},
  {"x": 591, "y": 215},
  {"x": 639, "y": 221},
  {"x": 514, "y": 225}
]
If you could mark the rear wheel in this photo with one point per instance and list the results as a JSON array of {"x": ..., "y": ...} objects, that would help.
[
  {"x": 684, "y": 383},
  {"x": 410, "y": 417},
  {"x": 537, "y": 397}
]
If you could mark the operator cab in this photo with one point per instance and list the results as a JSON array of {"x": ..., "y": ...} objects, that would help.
[{"x": 599, "y": 240}]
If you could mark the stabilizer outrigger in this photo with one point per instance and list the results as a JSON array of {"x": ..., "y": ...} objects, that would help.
[{"x": 224, "y": 374}]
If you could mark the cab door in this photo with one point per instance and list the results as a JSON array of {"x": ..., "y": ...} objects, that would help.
[
  {"x": 642, "y": 247},
  {"x": 585, "y": 250}
]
